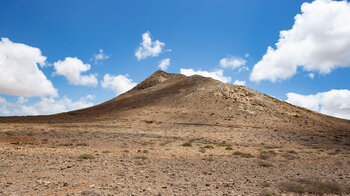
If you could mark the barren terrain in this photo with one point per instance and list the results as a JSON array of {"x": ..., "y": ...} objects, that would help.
[{"x": 177, "y": 135}]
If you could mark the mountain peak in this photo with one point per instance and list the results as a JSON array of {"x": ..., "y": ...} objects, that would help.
[{"x": 156, "y": 78}]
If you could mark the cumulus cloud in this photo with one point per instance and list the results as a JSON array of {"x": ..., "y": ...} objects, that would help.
[
  {"x": 100, "y": 56},
  {"x": 334, "y": 102},
  {"x": 232, "y": 62},
  {"x": 71, "y": 68},
  {"x": 46, "y": 105},
  {"x": 149, "y": 48},
  {"x": 119, "y": 84},
  {"x": 164, "y": 64},
  {"x": 20, "y": 75},
  {"x": 318, "y": 41},
  {"x": 217, "y": 75},
  {"x": 239, "y": 82}
]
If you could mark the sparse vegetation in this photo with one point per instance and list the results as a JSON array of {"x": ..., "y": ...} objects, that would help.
[
  {"x": 142, "y": 157},
  {"x": 316, "y": 187},
  {"x": 292, "y": 187},
  {"x": 228, "y": 148},
  {"x": 85, "y": 156},
  {"x": 242, "y": 154},
  {"x": 82, "y": 144},
  {"x": 266, "y": 154},
  {"x": 66, "y": 144},
  {"x": 149, "y": 121},
  {"x": 187, "y": 144},
  {"x": 208, "y": 147},
  {"x": 265, "y": 164},
  {"x": 212, "y": 114},
  {"x": 289, "y": 156},
  {"x": 146, "y": 143}
]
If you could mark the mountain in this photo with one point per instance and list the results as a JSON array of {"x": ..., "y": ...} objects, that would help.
[
  {"x": 177, "y": 135},
  {"x": 175, "y": 98}
]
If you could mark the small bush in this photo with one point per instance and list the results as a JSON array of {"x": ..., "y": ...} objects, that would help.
[
  {"x": 85, "y": 156},
  {"x": 67, "y": 144},
  {"x": 292, "y": 187},
  {"x": 187, "y": 144},
  {"x": 142, "y": 157},
  {"x": 208, "y": 147},
  {"x": 265, "y": 164},
  {"x": 312, "y": 187},
  {"x": 266, "y": 154},
  {"x": 228, "y": 148},
  {"x": 82, "y": 144},
  {"x": 149, "y": 121},
  {"x": 212, "y": 114},
  {"x": 242, "y": 154},
  {"x": 321, "y": 188}
]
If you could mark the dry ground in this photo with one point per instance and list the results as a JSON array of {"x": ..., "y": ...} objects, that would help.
[{"x": 160, "y": 158}]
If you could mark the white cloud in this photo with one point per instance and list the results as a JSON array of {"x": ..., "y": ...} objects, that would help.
[
  {"x": 100, "y": 56},
  {"x": 334, "y": 103},
  {"x": 239, "y": 82},
  {"x": 311, "y": 75},
  {"x": 164, "y": 64},
  {"x": 232, "y": 62},
  {"x": 119, "y": 83},
  {"x": 318, "y": 41},
  {"x": 20, "y": 75},
  {"x": 218, "y": 75},
  {"x": 44, "y": 106},
  {"x": 148, "y": 48},
  {"x": 71, "y": 68}
]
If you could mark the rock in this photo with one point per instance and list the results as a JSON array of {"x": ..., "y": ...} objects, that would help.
[{"x": 89, "y": 193}]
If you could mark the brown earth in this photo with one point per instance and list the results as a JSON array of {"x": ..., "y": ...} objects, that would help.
[{"x": 177, "y": 135}]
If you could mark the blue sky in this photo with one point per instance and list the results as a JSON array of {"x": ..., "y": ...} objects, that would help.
[{"x": 193, "y": 35}]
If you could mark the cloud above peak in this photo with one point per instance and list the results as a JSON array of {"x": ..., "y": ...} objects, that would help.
[
  {"x": 232, "y": 62},
  {"x": 71, "y": 68},
  {"x": 164, "y": 64},
  {"x": 318, "y": 41},
  {"x": 149, "y": 48},
  {"x": 119, "y": 84},
  {"x": 217, "y": 75},
  {"x": 20, "y": 74}
]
